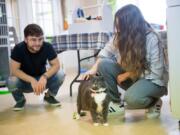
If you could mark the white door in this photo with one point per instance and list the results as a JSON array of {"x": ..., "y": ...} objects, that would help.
[{"x": 173, "y": 29}]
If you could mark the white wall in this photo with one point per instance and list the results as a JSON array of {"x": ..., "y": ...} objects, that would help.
[{"x": 154, "y": 11}]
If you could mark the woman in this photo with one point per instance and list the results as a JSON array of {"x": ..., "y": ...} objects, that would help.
[{"x": 133, "y": 59}]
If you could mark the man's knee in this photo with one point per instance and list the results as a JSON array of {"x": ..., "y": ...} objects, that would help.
[
  {"x": 58, "y": 78},
  {"x": 12, "y": 83},
  {"x": 61, "y": 76},
  {"x": 55, "y": 82}
]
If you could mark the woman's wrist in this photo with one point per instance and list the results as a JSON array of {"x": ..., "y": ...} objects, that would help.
[{"x": 126, "y": 74}]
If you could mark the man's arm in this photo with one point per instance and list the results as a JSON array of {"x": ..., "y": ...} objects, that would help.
[
  {"x": 15, "y": 70},
  {"x": 51, "y": 71},
  {"x": 55, "y": 66}
]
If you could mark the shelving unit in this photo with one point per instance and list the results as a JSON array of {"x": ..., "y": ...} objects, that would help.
[
  {"x": 4, "y": 43},
  {"x": 99, "y": 8}
]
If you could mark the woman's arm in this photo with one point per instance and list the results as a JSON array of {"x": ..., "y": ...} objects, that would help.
[{"x": 109, "y": 51}]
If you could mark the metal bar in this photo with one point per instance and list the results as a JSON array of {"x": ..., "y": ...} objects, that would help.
[
  {"x": 75, "y": 80},
  {"x": 90, "y": 56},
  {"x": 79, "y": 66}
]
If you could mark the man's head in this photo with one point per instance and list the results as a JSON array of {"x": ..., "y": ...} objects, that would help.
[{"x": 33, "y": 37}]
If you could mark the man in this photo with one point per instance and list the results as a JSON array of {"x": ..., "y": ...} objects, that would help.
[{"x": 28, "y": 65}]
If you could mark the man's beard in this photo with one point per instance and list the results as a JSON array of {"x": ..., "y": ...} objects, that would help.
[{"x": 34, "y": 49}]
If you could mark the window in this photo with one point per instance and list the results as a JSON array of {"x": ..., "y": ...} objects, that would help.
[{"x": 43, "y": 15}]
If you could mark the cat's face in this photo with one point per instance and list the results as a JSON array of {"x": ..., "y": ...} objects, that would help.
[{"x": 98, "y": 84}]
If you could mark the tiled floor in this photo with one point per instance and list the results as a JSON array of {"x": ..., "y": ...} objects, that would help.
[{"x": 41, "y": 119}]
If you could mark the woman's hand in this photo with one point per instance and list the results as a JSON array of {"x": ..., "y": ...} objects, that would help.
[
  {"x": 122, "y": 77},
  {"x": 89, "y": 73}
]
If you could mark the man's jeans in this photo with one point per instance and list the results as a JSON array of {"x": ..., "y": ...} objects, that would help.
[{"x": 18, "y": 86}]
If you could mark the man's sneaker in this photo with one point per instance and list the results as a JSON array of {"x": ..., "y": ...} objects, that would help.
[
  {"x": 19, "y": 105},
  {"x": 154, "y": 111},
  {"x": 52, "y": 101},
  {"x": 116, "y": 108}
]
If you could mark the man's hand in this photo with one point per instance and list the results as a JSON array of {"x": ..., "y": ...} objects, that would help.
[
  {"x": 42, "y": 84},
  {"x": 122, "y": 77},
  {"x": 34, "y": 84},
  {"x": 39, "y": 86}
]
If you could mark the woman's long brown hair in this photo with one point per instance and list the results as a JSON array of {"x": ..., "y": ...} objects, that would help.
[{"x": 130, "y": 38}]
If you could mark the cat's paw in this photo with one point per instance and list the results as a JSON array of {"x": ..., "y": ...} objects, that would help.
[
  {"x": 96, "y": 124},
  {"x": 105, "y": 124},
  {"x": 76, "y": 116}
]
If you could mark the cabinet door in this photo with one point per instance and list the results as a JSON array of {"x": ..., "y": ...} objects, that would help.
[
  {"x": 4, "y": 62},
  {"x": 4, "y": 45},
  {"x": 173, "y": 29}
]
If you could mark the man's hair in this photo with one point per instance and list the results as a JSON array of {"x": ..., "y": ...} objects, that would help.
[{"x": 33, "y": 30}]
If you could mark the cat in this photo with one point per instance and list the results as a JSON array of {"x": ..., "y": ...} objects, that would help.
[{"x": 92, "y": 97}]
